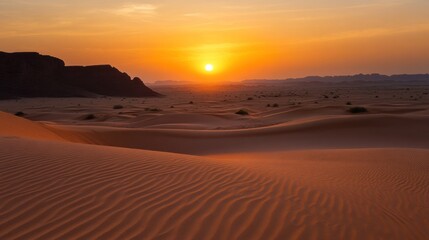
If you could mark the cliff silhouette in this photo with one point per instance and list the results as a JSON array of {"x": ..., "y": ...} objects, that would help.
[{"x": 29, "y": 74}]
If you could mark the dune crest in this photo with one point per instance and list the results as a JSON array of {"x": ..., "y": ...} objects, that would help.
[
  {"x": 381, "y": 131},
  {"x": 13, "y": 126}
]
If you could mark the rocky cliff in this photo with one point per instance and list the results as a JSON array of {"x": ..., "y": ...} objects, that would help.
[{"x": 35, "y": 75}]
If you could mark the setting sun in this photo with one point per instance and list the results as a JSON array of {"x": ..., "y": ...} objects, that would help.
[{"x": 209, "y": 67}]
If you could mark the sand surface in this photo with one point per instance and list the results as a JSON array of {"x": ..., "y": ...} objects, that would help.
[{"x": 170, "y": 169}]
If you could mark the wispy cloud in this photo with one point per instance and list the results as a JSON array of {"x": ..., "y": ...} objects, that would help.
[
  {"x": 285, "y": 8},
  {"x": 217, "y": 47},
  {"x": 133, "y": 9},
  {"x": 372, "y": 32}
]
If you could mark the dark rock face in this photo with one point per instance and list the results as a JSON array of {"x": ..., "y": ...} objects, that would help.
[
  {"x": 30, "y": 74},
  {"x": 105, "y": 80},
  {"x": 35, "y": 75}
]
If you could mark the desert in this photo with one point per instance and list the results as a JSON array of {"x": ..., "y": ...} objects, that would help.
[
  {"x": 186, "y": 166},
  {"x": 214, "y": 120}
]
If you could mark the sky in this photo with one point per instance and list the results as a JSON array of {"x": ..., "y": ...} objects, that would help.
[{"x": 242, "y": 39}]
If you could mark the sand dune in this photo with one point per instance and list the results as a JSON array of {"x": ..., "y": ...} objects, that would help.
[
  {"x": 200, "y": 171},
  {"x": 19, "y": 127},
  {"x": 379, "y": 130},
  {"x": 55, "y": 190}
]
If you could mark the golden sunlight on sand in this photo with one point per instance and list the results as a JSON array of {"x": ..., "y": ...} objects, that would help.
[
  {"x": 236, "y": 163},
  {"x": 214, "y": 120}
]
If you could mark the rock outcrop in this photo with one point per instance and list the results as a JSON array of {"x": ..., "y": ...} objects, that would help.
[
  {"x": 93, "y": 79},
  {"x": 35, "y": 75}
]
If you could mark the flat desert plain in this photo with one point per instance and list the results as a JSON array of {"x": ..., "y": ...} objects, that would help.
[{"x": 295, "y": 164}]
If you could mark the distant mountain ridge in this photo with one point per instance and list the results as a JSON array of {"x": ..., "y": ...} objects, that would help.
[
  {"x": 171, "y": 82},
  {"x": 345, "y": 78},
  {"x": 30, "y": 74}
]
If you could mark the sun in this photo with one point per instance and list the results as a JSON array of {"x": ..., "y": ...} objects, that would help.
[{"x": 209, "y": 67}]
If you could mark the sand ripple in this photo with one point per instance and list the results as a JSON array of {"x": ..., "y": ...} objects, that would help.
[{"x": 56, "y": 190}]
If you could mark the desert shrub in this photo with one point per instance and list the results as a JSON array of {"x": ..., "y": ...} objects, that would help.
[
  {"x": 268, "y": 105},
  {"x": 118, "y": 107},
  {"x": 275, "y": 105},
  {"x": 348, "y": 103},
  {"x": 89, "y": 117},
  {"x": 191, "y": 102},
  {"x": 250, "y": 98},
  {"x": 358, "y": 110},
  {"x": 152, "y": 109},
  {"x": 20, "y": 114},
  {"x": 242, "y": 112}
]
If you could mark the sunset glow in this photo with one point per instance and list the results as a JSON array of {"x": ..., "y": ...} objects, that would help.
[
  {"x": 224, "y": 119},
  {"x": 241, "y": 39},
  {"x": 209, "y": 68}
]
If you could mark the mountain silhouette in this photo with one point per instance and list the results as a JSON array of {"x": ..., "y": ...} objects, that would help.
[
  {"x": 370, "y": 78},
  {"x": 30, "y": 74}
]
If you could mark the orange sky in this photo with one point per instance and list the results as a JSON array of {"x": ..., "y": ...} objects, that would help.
[{"x": 172, "y": 40}]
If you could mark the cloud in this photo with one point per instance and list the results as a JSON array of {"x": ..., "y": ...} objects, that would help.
[
  {"x": 217, "y": 47},
  {"x": 266, "y": 9},
  {"x": 373, "y": 32},
  {"x": 131, "y": 9}
]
